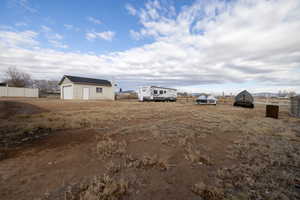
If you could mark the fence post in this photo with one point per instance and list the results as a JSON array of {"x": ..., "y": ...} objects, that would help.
[{"x": 7, "y": 90}]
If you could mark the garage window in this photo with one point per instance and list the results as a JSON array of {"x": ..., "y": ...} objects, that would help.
[{"x": 99, "y": 90}]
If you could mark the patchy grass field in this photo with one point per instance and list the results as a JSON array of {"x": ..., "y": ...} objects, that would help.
[{"x": 77, "y": 150}]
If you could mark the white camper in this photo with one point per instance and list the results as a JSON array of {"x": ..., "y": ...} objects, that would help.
[{"x": 154, "y": 93}]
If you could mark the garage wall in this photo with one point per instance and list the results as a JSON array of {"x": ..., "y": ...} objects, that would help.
[
  {"x": 108, "y": 93},
  {"x": 18, "y": 92}
]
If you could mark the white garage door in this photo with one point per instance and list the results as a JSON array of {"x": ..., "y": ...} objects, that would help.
[{"x": 68, "y": 92}]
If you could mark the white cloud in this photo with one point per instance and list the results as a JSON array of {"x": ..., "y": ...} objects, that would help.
[
  {"x": 90, "y": 36},
  {"x": 46, "y": 28},
  {"x": 57, "y": 36},
  {"x": 24, "y": 4},
  {"x": 12, "y": 39},
  {"x": 131, "y": 10},
  {"x": 53, "y": 38},
  {"x": 5, "y": 27},
  {"x": 71, "y": 27},
  {"x": 21, "y": 24},
  {"x": 135, "y": 34},
  {"x": 106, "y": 35},
  {"x": 68, "y": 26},
  {"x": 251, "y": 43},
  {"x": 94, "y": 20},
  {"x": 50, "y": 34},
  {"x": 58, "y": 44}
]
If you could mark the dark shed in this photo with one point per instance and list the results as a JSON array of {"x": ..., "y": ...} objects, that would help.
[
  {"x": 295, "y": 106},
  {"x": 244, "y": 99}
]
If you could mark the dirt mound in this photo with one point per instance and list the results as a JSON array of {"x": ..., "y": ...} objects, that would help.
[{"x": 12, "y": 108}]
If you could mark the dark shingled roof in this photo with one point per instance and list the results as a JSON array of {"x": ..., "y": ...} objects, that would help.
[{"x": 76, "y": 79}]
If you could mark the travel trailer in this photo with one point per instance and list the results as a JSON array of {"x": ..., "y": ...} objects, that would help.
[
  {"x": 206, "y": 100},
  {"x": 154, "y": 93}
]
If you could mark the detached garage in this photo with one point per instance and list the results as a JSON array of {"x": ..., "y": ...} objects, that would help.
[{"x": 74, "y": 87}]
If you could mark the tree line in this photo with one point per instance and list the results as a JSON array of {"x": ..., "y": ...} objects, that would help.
[{"x": 14, "y": 77}]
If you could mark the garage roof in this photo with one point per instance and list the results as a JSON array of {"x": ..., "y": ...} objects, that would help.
[{"x": 83, "y": 80}]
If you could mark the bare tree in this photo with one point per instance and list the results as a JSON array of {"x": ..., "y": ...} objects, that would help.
[
  {"x": 46, "y": 86},
  {"x": 16, "y": 78},
  {"x": 292, "y": 93}
]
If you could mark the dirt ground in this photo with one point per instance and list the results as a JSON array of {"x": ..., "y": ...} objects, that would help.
[{"x": 86, "y": 150}]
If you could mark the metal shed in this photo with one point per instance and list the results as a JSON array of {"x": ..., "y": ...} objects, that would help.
[
  {"x": 244, "y": 99},
  {"x": 295, "y": 106}
]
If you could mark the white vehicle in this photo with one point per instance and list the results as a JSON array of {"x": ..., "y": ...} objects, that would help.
[
  {"x": 154, "y": 93},
  {"x": 205, "y": 100}
]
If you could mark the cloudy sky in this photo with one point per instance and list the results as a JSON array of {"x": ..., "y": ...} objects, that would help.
[{"x": 198, "y": 46}]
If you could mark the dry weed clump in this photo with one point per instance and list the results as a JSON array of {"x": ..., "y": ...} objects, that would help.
[
  {"x": 99, "y": 188},
  {"x": 267, "y": 168},
  {"x": 113, "y": 168},
  {"x": 195, "y": 156},
  {"x": 207, "y": 192},
  {"x": 108, "y": 147},
  {"x": 146, "y": 162}
]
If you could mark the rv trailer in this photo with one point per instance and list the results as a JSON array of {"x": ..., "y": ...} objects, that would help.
[{"x": 154, "y": 93}]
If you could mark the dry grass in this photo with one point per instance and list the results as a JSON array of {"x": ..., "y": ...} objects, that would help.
[
  {"x": 99, "y": 188},
  {"x": 266, "y": 168},
  {"x": 171, "y": 150},
  {"x": 146, "y": 162},
  {"x": 195, "y": 156},
  {"x": 207, "y": 192},
  {"x": 108, "y": 147}
]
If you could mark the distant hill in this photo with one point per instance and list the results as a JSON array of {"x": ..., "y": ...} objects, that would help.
[{"x": 265, "y": 94}]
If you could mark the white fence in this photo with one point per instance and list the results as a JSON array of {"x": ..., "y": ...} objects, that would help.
[{"x": 18, "y": 92}]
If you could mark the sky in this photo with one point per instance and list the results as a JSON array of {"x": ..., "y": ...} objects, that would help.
[{"x": 192, "y": 45}]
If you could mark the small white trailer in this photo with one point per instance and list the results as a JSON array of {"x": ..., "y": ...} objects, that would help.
[
  {"x": 154, "y": 93},
  {"x": 206, "y": 100}
]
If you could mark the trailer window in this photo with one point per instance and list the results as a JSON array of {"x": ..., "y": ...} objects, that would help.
[
  {"x": 155, "y": 92},
  {"x": 98, "y": 90},
  {"x": 161, "y": 92},
  {"x": 165, "y": 91}
]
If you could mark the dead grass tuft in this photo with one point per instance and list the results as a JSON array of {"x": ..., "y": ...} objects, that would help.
[
  {"x": 113, "y": 168},
  {"x": 207, "y": 192},
  {"x": 194, "y": 155},
  {"x": 108, "y": 147},
  {"x": 266, "y": 168},
  {"x": 99, "y": 188},
  {"x": 147, "y": 162}
]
